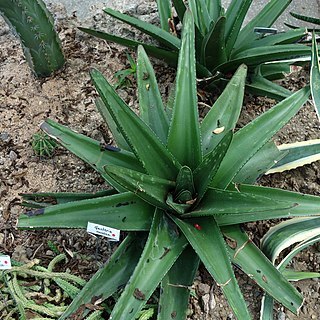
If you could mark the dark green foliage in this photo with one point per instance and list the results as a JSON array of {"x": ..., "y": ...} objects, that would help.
[
  {"x": 222, "y": 42},
  {"x": 180, "y": 191}
]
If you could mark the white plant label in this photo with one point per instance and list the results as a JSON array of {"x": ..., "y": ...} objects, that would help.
[
  {"x": 98, "y": 229},
  {"x": 5, "y": 263}
]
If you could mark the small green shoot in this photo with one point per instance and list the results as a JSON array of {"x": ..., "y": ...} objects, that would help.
[{"x": 124, "y": 77}]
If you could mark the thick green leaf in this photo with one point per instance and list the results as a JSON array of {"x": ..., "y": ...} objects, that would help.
[
  {"x": 287, "y": 37},
  {"x": 176, "y": 286},
  {"x": 254, "y": 263},
  {"x": 261, "y": 86},
  {"x": 209, "y": 166},
  {"x": 296, "y": 155},
  {"x": 315, "y": 76},
  {"x": 214, "y": 9},
  {"x": 90, "y": 151},
  {"x": 259, "y": 164},
  {"x": 153, "y": 155},
  {"x": 275, "y": 71},
  {"x": 287, "y": 233},
  {"x": 150, "y": 103},
  {"x": 152, "y": 189},
  {"x": 48, "y": 198},
  {"x": 170, "y": 101},
  {"x": 182, "y": 207},
  {"x": 224, "y": 114},
  {"x": 114, "y": 274},
  {"x": 305, "y": 205},
  {"x": 235, "y": 15},
  {"x": 163, "y": 247},
  {"x": 262, "y": 129},
  {"x": 169, "y": 56},
  {"x": 164, "y": 10},
  {"x": 206, "y": 239},
  {"x": 213, "y": 51},
  {"x": 201, "y": 15},
  {"x": 184, "y": 181},
  {"x": 265, "y": 18},
  {"x": 256, "y": 56},
  {"x": 222, "y": 202},
  {"x": 293, "y": 275},
  {"x": 184, "y": 133},
  {"x": 123, "y": 211},
  {"x": 306, "y": 18},
  {"x": 164, "y": 37},
  {"x": 266, "y": 311},
  {"x": 116, "y": 134},
  {"x": 308, "y": 240}
]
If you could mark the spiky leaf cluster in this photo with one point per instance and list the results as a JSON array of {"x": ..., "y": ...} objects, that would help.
[
  {"x": 181, "y": 189},
  {"x": 223, "y": 41}
]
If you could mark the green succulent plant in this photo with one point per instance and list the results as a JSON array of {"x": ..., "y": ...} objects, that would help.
[
  {"x": 222, "y": 43},
  {"x": 43, "y": 145},
  {"x": 25, "y": 284},
  {"x": 303, "y": 232},
  {"x": 33, "y": 24},
  {"x": 180, "y": 189}
]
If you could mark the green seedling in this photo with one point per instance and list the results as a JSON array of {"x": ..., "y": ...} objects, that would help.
[{"x": 123, "y": 77}]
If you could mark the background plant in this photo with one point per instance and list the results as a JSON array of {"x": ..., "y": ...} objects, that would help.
[
  {"x": 315, "y": 76},
  {"x": 33, "y": 24},
  {"x": 179, "y": 188},
  {"x": 303, "y": 232},
  {"x": 23, "y": 286},
  {"x": 43, "y": 145},
  {"x": 222, "y": 43}
]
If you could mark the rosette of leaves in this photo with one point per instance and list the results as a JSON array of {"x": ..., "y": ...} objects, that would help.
[
  {"x": 180, "y": 189},
  {"x": 222, "y": 42}
]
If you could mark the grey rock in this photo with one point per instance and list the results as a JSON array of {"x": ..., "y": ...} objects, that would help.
[{"x": 203, "y": 289}]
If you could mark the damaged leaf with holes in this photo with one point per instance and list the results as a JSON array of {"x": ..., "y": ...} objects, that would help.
[{"x": 180, "y": 189}]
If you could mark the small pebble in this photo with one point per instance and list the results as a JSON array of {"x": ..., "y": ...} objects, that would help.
[
  {"x": 49, "y": 253},
  {"x": 203, "y": 289},
  {"x": 281, "y": 315},
  {"x": 4, "y": 136},
  {"x": 12, "y": 155}
]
